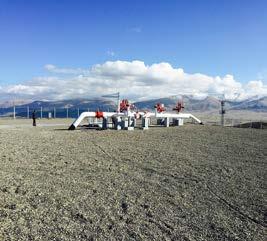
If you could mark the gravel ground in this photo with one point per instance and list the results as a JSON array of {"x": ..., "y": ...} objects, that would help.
[{"x": 186, "y": 183}]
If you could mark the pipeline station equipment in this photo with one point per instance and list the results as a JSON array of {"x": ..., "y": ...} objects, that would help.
[{"x": 128, "y": 118}]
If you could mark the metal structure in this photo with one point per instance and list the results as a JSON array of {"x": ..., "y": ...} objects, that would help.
[
  {"x": 126, "y": 117},
  {"x": 222, "y": 112},
  {"x": 222, "y": 99},
  {"x": 116, "y": 96}
]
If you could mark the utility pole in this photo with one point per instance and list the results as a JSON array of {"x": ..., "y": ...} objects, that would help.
[
  {"x": 28, "y": 112},
  {"x": 41, "y": 112},
  {"x": 222, "y": 112},
  {"x": 14, "y": 112},
  {"x": 14, "y": 107},
  {"x": 118, "y": 102}
]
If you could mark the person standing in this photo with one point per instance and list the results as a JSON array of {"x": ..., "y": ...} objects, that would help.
[{"x": 34, "y": 118}]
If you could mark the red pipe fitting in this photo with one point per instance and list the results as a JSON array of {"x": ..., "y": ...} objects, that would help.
[{"x": 99, "y": 114}]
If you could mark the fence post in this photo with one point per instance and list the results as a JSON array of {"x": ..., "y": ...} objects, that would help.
[
  {"x": 78, "y": 112},
  {"x": 14, "y": 112},
  {"x": 54, "y": 113},
  {"x": 67, "y": 112},
  {"x": 41, "y": 113}
]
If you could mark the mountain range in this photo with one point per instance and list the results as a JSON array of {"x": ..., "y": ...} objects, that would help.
[
  {"x": 78, "y": 105},
  {"x": 207, "y": 104}
]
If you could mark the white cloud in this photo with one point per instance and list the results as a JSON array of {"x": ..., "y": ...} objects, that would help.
[
  {"x": 53, "y": 69},
  {"x": 134, "y": 80},
  {"x": 254, "y": 88}
]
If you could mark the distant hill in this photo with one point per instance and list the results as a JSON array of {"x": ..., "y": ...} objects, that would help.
[
  {"x": 191, "y": 104},
  {"x": 207, "y": 104},
  {"x": 254, "y": 105},
  {"x": 63, "y": 108},
  {"x": 91, "y": 104},
  {"x": 10, "y": 103}
]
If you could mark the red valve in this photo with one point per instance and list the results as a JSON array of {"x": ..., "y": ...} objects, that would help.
[
  {"x": 99, "y": 114},
  {"x": 179, "y": 106},
  {"x": 124, "y": 105},
  {"x": 160, "y": 107}
]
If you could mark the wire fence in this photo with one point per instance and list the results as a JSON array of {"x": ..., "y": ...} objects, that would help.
[
  {"x": 43, "y": 112},
  {"x": 240, "y": 123}
]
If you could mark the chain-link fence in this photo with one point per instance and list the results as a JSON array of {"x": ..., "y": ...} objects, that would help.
[{"x": 43, "y": 112}]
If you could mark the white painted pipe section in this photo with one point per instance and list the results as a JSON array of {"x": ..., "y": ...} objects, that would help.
[
  {"x": 123, "y": 114},
  {"x": 196, "y": 119},
  {"x": 83, "y": 115},
  {"x": 80, "y": 119},
  {"x": 127, "y": 114},
  {"x": 147, "y": 114},
  {"x": 180, "y": 115},
  {"x": 169, "y": 115}
]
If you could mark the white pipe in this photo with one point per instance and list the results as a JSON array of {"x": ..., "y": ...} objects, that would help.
[
  {"x": 80, "y": 118},
  {"x": 83, "y": 115},
  {"x": 180, "y": 115},
  {"x": 146, "y": 114},
  {"x": 196, "y": 119},
  {"x": 169, "y": 115}
]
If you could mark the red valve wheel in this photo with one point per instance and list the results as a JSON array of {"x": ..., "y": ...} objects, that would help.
[
  {"x": 179, "y": 106},
  {"x": 160, "y": 107}
]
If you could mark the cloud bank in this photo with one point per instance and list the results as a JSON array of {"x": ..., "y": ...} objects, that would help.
[{"x": 133, "y": 80}]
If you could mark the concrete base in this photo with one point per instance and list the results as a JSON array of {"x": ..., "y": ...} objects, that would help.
[
  {"x": 178, "y": 122},
  {"x": 125, "y": 123},
  {"x": 118, "y": 123},
  {"x": 167, "y": 122},
  {"x": 131, "y": 122},
  {"x": 117, "y": 127},
  {"x": 105, "y": 124},
  {"x": 129, "y": 128},
  {"x": 110, "y": 125},
  {"x": 134, "y": 122},
  {"x": 144, "y": 128},
  {"x": 145, "y": 123}
]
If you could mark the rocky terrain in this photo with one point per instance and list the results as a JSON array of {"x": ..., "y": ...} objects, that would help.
[{"x": 187, "y": 183}]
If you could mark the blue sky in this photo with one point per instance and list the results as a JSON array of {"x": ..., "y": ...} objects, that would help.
[{"x": 201, "y": 36}]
